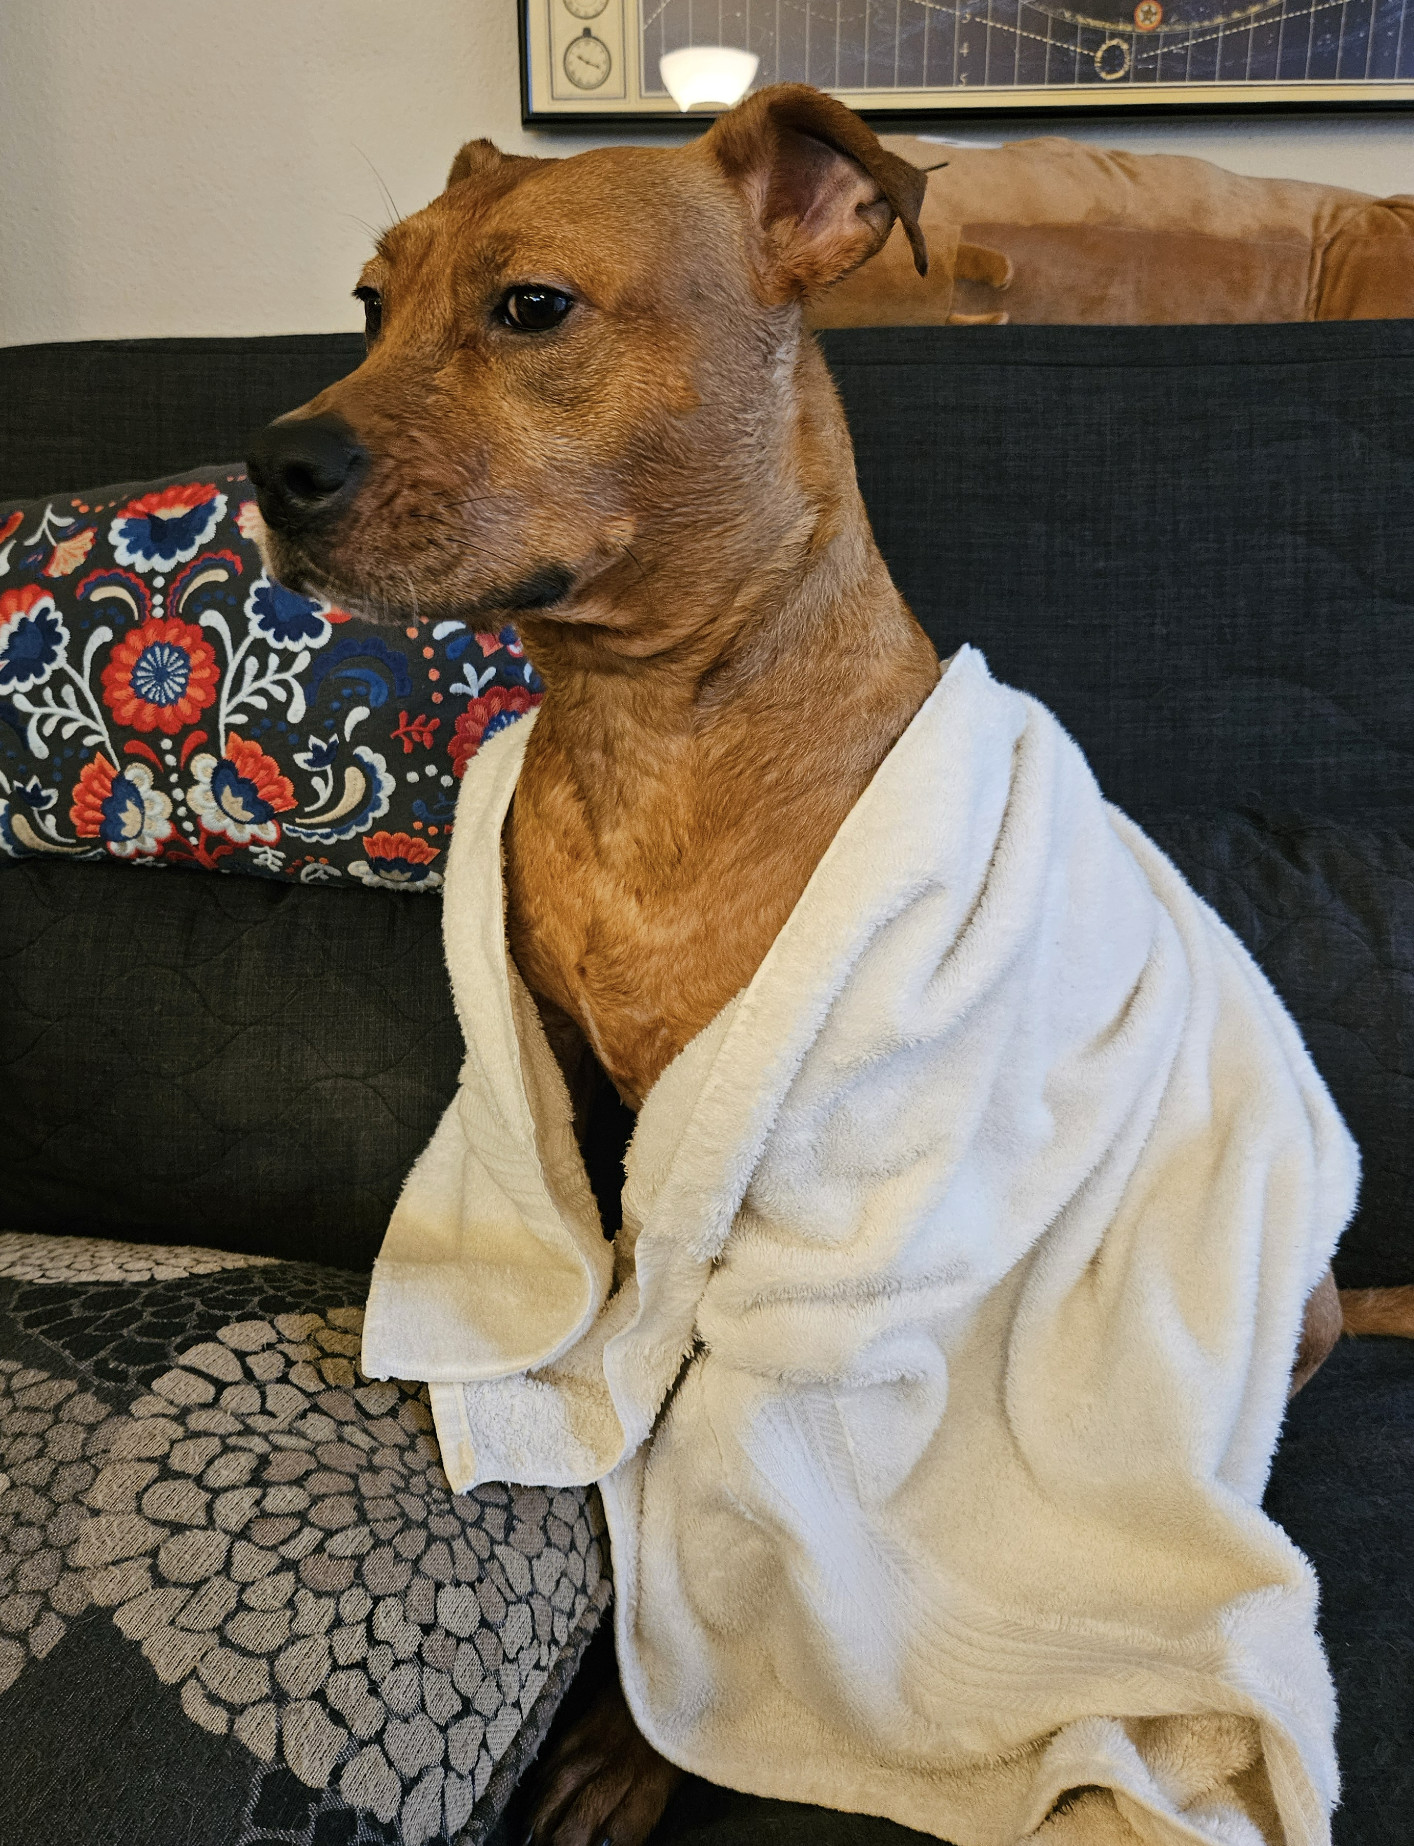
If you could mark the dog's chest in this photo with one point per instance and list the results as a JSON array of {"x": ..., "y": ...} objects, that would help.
[
  {"x": 629, "y": 961},
  {"x": 641, "y": 930}
]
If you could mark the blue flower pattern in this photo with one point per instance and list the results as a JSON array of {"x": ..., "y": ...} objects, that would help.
[
  {"x": 284, "y": 619},
  {"x": 32, "y": 643},
  {"x": 161, "y": 674}
]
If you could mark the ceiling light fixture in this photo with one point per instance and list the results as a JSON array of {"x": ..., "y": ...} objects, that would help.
[{"x": 716, "y": 74}]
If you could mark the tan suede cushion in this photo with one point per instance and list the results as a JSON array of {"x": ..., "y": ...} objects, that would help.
[
  {"x": 1057, "y": 231},
  {"x": 1367, "y": 270}
]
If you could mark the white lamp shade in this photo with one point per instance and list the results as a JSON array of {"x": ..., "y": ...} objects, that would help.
[{"x": 707, "y": 74}]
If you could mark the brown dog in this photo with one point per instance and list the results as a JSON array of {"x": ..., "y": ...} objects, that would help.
[{"x": 588, "y": 405}]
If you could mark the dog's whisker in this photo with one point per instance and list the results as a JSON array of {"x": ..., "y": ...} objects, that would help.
[
  {"x": 438, "y": 518},
  {"x": 388, "y": 199}
]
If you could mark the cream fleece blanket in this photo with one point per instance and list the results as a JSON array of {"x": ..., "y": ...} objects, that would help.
[{"x": 933, "y": 1381}]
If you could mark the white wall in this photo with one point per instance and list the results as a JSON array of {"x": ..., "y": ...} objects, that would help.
[{"x": 206, "y": 166}]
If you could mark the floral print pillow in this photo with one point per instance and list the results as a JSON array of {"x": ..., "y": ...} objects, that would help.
[{"x": 163, "y": 702}]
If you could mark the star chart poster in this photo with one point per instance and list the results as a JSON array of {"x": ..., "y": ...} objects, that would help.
[{"x": 599, "y": 58}]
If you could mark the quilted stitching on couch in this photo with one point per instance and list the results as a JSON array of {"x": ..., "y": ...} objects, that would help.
[
  {"x": 256, "y": 1064},
  {"x": 1327, "y": 908}
]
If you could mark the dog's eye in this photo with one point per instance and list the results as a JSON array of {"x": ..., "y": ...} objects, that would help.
[
  {"x": 372, "y": 311},
  {"x": 532, "y": 309}
]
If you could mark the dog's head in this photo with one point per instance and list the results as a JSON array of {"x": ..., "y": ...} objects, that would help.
[{"x": 571, "y": 362}]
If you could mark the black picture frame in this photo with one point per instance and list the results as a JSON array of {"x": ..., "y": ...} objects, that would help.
[{"x": 1356, "y": 56}]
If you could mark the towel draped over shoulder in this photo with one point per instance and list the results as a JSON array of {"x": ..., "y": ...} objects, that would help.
[{"x": 933, "y": 1380}]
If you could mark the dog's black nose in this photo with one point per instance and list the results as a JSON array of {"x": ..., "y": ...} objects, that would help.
[{"x": 304, "y": 470}]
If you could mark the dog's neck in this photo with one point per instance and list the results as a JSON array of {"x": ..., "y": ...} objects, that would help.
[{"x": 700, "y": 744}]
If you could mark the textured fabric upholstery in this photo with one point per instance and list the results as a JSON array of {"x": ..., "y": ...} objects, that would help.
[
  {"x": 1189, "y": 542},
  {"x": 81, "y": 412},
  {"x": 249, "y": 1064},
  {"x": 1192, "y": 543},
  {"x": 236, "y": 1589},
  {"x": 1327, "y": 908},
  {"x": 138, "y": 624}
]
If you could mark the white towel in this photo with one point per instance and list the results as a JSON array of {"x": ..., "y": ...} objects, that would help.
[{"x": 933, "y": 1381}]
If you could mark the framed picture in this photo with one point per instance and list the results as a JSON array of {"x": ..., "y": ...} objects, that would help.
[{"x": 598, "y": 59}]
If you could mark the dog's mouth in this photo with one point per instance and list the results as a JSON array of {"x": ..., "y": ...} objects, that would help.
[
  {"x": 292, "y": 567},
  {"x": 338, "y": 524},
  {"x": 394, "y": 597}
]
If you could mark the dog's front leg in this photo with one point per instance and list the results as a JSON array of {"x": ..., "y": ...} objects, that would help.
[{"x": 604, "y": 1784}]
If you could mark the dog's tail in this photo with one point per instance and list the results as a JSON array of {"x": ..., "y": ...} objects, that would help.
[{"x": 1378, "y": 1310}]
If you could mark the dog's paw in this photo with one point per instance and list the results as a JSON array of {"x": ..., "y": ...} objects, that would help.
[
  {"x": 1084, "y": 1817},
  {"x": 604, "y": 1786}
]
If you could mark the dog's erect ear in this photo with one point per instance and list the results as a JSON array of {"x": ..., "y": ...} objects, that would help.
[{"x": 821, "y": 187}]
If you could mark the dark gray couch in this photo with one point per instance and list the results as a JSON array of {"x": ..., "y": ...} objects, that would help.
[{"x": 1195, "y": 544}]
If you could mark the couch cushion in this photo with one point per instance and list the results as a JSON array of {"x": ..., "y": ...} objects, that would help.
[
  {"x": 1343, "y": 1487},
  {"x": 1191, "y": 542},
  {"x": 279, "y": 1055},
  {"x": 162, "y": 701},
  {"x": 1327, "y": 909},
  {"x": 237, "y": 1600},
  {"x": 261, "y": 1059}
]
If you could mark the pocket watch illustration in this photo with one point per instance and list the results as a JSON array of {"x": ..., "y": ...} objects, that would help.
[
  {"x": 585, "y": 9},
  {"x": 587, "y": 60}
]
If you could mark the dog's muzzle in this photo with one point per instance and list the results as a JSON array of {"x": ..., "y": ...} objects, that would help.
[{"x": 304, "y": 470}]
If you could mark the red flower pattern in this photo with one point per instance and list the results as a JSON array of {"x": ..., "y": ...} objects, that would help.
[
  {"x": 95, "y": 785},
  {"x": 399, "y": 846},
  {"x": 251, "y": 762},
  {"x": 417, "y": 730},
  {"x": 123, "y": 808},
  {"x": 397, "y": 861},
  {"x": 162, "y": 676},
  {"x": 483, "y": 717}
]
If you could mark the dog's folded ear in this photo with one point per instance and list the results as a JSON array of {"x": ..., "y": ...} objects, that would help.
[
  {"x": 473, "y": 158},
  {"x": 823, "y": 190},
  {"x": 480, "y": 159}
]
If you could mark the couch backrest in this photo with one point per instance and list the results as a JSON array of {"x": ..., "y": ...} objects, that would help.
[
  {"x": 84, "y": 412},
  {"x": 192, "y": 1058},
  {"x": 1193, "y": 543}
]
